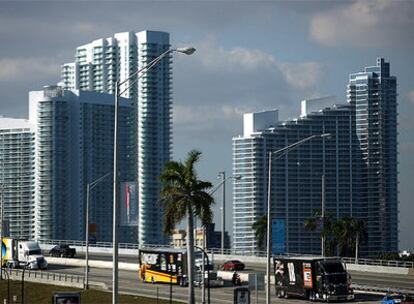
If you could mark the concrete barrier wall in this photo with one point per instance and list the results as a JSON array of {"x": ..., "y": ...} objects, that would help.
[
  {"x": 379, "y": 269},
  {"x": 92, "y": 263},
  {"x": 244, "y": 258},
  {"x": 97, "y": 250}
]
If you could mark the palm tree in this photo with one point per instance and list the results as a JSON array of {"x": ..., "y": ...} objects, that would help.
[
  {"x": 260, "y": 231},
  {"x": 351, "y": 231},
  {"x": 327, "y": 230},
  {"x": 185, "y": 196},
  {"x": 358, "y": 227}
]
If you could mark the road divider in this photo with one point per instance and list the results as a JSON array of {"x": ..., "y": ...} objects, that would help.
[{"x": 92, "y": 263}]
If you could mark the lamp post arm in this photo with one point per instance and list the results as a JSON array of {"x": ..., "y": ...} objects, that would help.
[
  {"x": 217, "y": 186},
  {"x": 143, "y": 70},
  {"x": 286, "y": 149},
  {"x": 149, "y": 65},
  {"x": 96, "y": 182}
]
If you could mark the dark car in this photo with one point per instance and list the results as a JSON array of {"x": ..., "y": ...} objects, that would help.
[
  {"x": 63, "y": 251},
  {"x": 233, "y": 265},
  {"x": 398, "y": 298}
]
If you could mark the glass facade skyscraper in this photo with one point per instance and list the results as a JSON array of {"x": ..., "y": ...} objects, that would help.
[
  {"x": 73, "y": 147},
  {"x": 358, "y": 163},
  {"x": 97, "y": 67},
  {"x": 373, "y": 95},
  {"x": 17, "y": 176}
]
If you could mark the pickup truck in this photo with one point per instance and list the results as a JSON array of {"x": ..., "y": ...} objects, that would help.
[{"x": 63, "y": 251}]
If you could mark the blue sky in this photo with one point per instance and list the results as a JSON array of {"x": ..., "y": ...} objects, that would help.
[{"x": 251, "y": 56}]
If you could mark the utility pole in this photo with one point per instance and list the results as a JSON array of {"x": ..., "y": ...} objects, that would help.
[
  {"x": 223, "y": 211},
  {"x": 323, "y": 215}
]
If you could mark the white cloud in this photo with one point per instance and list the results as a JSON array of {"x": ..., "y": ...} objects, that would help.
[
  {"x": 239, "y": 60},
  {"x": 20, "y": 69},
  {"x": 200, "y": 115},
  {"x": 302, "y": 75},
  {"x": 217, "y": 85},
  {"x": 365, "y": 23},
  {"x": 214, "y": 57}
]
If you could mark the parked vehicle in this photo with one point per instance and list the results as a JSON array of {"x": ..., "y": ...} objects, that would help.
[
  {"x": 63, "y": 251},
  {"x": 398, "y": 298},
  {"x": 314, "y": 278},
  {"x": 21, "y": 253},
  {"x": 233, "y": 265}
]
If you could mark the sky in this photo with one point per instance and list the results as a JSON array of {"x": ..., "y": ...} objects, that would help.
[{"x": 251, "y": 56}]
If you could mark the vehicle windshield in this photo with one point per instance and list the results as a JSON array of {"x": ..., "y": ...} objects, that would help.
[
  {"x": 332, "y": 267},
  {"x": 35, "y": 251}
]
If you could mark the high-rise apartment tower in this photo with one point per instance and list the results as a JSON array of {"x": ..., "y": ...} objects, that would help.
[
  {"x": 17, "y": 177},
  {"x": 73, "y": 147},
  {"x": 98, "y": 65},
  {"x": 359, "y": 165}
]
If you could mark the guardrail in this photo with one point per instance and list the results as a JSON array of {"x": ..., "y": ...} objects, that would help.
[
  {"x": 377, "y": 262},
  {"x": 256, "y": 253},
  {"x": 91, "y": 244},
  {"x": 40, "y": 275}
]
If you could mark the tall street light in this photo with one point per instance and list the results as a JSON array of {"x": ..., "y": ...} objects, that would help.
[
  {"x": 279, "y": 153},
  {"x": 89, "y": 188},
  {"x": 118, "y": 92},
  {"x": 222, "y": 175}
]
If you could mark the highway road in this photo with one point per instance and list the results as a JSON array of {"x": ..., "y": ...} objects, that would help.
[
  {"x": 129, "y": 283},
  {"x": 359, "y": 278}
]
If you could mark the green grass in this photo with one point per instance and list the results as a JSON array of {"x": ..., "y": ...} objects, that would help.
[{"x": 42, "y": 294}]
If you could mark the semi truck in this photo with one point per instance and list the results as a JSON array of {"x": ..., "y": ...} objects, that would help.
[
  {"x": 169, "y": 265},
  {"x": 313, "y": 278},
  {"x": 162, "y": 265},
  {"x": 18, "y": 253}
]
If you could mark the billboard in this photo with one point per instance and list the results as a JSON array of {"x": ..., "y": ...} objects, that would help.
[
  {"x": 129, "y": 204},
  {"x": 278, "y": 236}
]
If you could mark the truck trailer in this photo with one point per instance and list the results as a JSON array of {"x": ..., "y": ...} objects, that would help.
[
  {"x": 18, "y": 253},
  {"x": 169, "y": 265},
  {"x": 313, "y": 278},
  {"x": 162, "y": 265}
]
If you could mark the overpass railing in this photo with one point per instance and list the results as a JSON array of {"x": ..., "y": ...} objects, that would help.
[
  {"x": 377, "y": 262},
  {"x": 229, "y": 252},
  {"x": 91, "y": 244}
]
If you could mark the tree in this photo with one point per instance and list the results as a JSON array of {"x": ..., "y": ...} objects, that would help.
[
  {"x": 345, "y": 233},
  {"x": 327, "y": 230},
  {"x": 349, "y": 231},
  {"x": 260, "y": 231},
  {"x": 185, "y": 196}
]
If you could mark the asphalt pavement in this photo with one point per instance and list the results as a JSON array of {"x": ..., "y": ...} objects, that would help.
[{"x": 129, "y": 283}]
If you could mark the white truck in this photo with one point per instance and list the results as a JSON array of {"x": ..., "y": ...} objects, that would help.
[{"x": 19, "y": 253}]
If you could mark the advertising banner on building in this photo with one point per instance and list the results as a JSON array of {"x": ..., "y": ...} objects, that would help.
[
  {"x": 129, "y": 204},
  {"x": 278, "y": 236}
]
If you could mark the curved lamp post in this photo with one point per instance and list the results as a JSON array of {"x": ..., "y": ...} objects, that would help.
[
  {"x": 89, "y": 188},
  {"x": 222, "y": 175},
  {"x": 277, "y": 154},
  {"x": 118, "y": 92}
]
